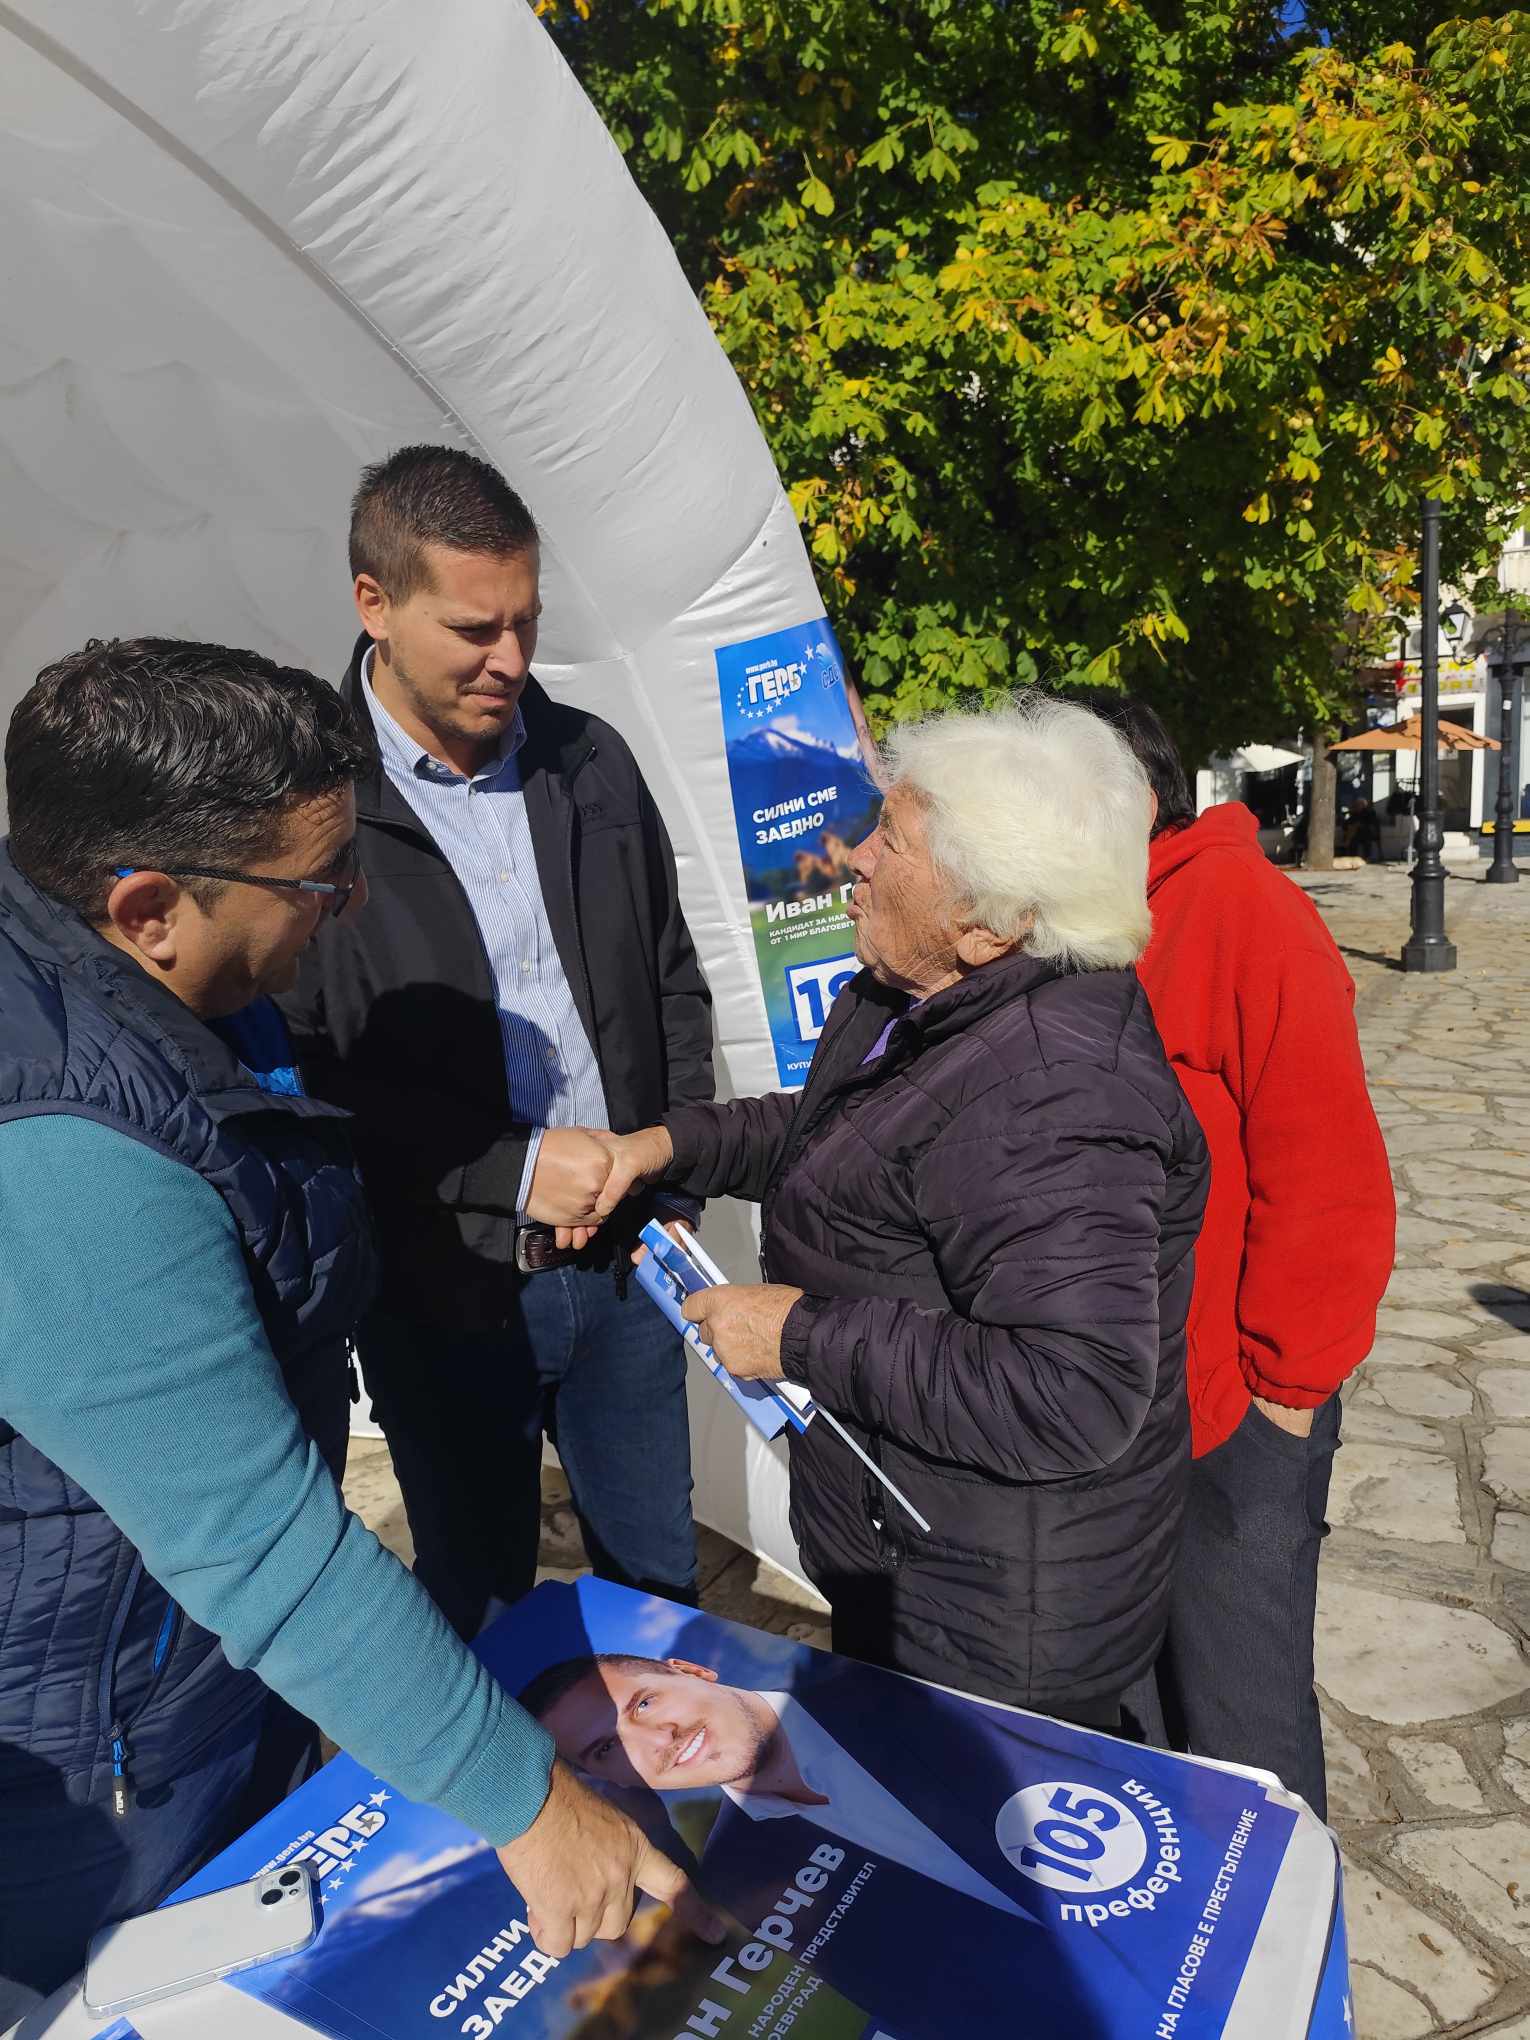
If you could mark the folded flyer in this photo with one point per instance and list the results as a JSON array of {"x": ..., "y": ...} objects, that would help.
[{"x": 669, "y": 1273}]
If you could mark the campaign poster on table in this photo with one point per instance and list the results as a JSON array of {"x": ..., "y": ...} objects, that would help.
[
  {"x": 802, "y": 800},
  {"x": 896, "y": 1862}
]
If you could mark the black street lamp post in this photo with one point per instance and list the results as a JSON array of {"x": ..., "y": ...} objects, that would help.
[{"x": 1428, "y": 947}]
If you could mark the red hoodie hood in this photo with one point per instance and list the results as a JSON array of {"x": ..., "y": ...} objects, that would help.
[{"x": 1231, "y": 826}]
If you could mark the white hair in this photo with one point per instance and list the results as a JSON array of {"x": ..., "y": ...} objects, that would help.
[{"x": 1037, "y": 816}]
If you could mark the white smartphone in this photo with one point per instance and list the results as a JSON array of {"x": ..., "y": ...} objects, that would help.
[{"x": 159, "y": 1954}]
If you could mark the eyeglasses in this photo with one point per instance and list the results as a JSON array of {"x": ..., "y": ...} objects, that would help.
[{"x": 339, "y": 895}]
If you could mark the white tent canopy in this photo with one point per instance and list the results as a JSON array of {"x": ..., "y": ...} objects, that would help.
[
  {"x": 1261, "y": 758},
  {"x": 249, "y": 247}
]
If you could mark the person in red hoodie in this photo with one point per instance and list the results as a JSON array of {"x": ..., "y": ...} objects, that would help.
[{"x": 1256, "y": 1011}]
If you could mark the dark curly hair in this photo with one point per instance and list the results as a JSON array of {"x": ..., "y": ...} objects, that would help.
[{"x": 157, "y": 752}]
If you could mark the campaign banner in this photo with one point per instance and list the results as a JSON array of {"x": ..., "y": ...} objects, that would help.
[
  {"x": 802, "y": 800},
  {"x": 897, "y": 1862}
]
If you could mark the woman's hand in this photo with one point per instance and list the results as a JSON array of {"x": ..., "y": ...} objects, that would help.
[
  {"x": 635, "y": 1157},
  {"x": 742, "y": 1322}
]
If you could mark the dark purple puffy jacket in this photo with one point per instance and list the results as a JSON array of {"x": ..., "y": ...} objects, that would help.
[{"x": 993, "y": 1223}]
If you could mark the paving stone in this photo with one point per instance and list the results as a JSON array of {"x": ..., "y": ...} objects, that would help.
[
  {"x": 1496, "y": 1219},
  {"x": 1390, "y": 1351},
  {"x": 371, "y": 1492},
  {"x": 1368, "y": 1421},
  {"x": 1514, "y": 1346},
  {"x": 1413, "y": 1948},
  {"x": 1420, "y": 1235},
  {"x": 1416, "y": 1394},
  {"x": 1507, "y": 1389},
  {"x": 1437, "y": 1771},
  {"x": 1429, "y": 1177},
  {"x": 1419, "y": 1136},
  {"x": 1504, "y": 1160},
  {"x": 1519, "y": 1272},
  {"x": 1397, "y": 1660},
  {"x": 1511, "y": 1540},
  {"x": 1472, "y": 1253},
  {"x": 1421, "y": 1324},
  {"x": 1448, "y": 1286},
  {"x": 1423, "y": 1073},
  {"x": 1354, "y": 1793},
  {"x": 1515, "y": 1768},
  {"x": 565, "y": 1575},
  {"x": 775, "y": 1585},
  {"x": 1468, "y": 1104},
  {"x": 1485, "y": 1869},
  {"x": 1391, "y": 1493},
  {"x": 1383, "y": 2010},
  {"x": 1506, "y": 1465}
]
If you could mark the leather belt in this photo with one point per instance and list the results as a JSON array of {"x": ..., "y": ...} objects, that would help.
[{"x": 537, "y": 1249}]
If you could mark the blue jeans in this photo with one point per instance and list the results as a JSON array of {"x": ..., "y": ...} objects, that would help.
[{"x": 464, "y": 1413}]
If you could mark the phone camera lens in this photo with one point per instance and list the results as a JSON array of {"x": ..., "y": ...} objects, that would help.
[
  {"x": 270, "y": 1898},
  {"x": 291, "y": 1877}
]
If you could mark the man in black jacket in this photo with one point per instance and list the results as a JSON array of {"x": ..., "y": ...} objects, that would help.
[{"x": 524, "y": 973}]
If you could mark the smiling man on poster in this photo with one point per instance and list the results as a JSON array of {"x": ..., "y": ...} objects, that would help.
[{"x": 672, "y": 1726}]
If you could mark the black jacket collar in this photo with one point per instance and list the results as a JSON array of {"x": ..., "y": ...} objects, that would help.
[{"x": 973, "y": 997}]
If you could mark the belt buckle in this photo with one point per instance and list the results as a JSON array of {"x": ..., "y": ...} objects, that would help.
[{"x": 536, "y": 1249}]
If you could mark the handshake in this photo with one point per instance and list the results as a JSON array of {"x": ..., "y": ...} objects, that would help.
[{"x": 583, "y": 1174}]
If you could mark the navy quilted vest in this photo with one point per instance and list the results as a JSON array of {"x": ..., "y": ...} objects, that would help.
[{"x": 92, "y": 1650}]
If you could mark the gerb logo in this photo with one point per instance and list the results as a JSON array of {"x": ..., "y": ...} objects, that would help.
[
  {"x": 1072, "y": 1838},
  {"x": 813, "y": 988},
  {"x": 768, "y": 684}
]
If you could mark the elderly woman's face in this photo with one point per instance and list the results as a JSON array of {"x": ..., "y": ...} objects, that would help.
[{"x": 900, "y": 907}]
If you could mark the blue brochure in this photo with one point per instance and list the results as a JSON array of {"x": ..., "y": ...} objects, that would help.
[{"x": 668, "y": 1273}]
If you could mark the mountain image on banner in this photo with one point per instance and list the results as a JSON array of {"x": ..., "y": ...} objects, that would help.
[{"x": 774, "y": 772}]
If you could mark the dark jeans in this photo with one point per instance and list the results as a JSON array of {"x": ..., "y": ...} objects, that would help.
[
  {"x": 464, "y": 1413},
  {"x": 1235, "y": 1678},
  {"x": 66, "y": 1870}
]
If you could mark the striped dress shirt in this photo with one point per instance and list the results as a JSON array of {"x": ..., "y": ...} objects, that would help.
[{"x": 479, "y": 825}]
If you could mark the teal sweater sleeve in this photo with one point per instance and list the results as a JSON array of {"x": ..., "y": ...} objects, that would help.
[{"x": 132, "y": 1354}]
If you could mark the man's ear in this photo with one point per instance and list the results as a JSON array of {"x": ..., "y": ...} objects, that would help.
[
  {"x": 372, "y": 606},
  {"x": 680, "y": 1664},
  {"x": 141, "y": 914},
  {"x": 976, "y": 945}
]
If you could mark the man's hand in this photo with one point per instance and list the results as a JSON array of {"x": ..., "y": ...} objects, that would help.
[
  {"x": 566, "y": 1185},
  {"x": 1297, "y": 1422},
  {"x": 634, "y": 1158},
  {"x": 742, "y": 1323},
  {"x": 580, "y": 1866}
]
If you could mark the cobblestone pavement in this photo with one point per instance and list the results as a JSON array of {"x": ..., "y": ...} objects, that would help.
[{"x": 1425, "y": 1610}]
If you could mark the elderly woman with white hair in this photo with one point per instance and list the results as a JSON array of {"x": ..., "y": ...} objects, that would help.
[{"x": 978, "y": 1219}]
